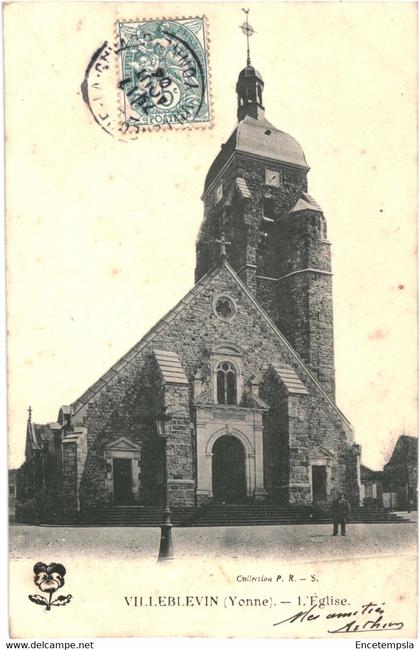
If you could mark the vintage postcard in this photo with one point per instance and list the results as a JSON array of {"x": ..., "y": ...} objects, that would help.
[{"x": 212, "y": 314}]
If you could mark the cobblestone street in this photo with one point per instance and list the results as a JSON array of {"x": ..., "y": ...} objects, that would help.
[{"x": 297, "y": 542}]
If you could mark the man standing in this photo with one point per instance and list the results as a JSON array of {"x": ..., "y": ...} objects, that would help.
[{"x": 340, "y": 512}]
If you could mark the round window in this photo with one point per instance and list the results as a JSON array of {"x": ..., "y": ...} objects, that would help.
[{"x": 225, "y": 307}]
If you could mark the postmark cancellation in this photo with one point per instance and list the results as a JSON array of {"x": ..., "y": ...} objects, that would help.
[{"x": 155, "y": 74}]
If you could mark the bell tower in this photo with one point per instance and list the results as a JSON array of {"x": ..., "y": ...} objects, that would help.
[
  {"x": 249, "y": 89},
  {"x": 255, "y": 197}
]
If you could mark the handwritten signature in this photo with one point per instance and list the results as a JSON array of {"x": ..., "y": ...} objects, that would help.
[{"x": 368, "y": 618}]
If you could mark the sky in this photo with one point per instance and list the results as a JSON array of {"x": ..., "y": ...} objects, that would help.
[{"x": 101, "y": 233}]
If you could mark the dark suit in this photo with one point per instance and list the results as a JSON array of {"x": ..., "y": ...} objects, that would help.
[{"x": 340, "y": 511}]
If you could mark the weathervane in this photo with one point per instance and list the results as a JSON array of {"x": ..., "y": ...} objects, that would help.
[
  {"x": 30, "y": 414},
  {"x": 248, "y": 30}
]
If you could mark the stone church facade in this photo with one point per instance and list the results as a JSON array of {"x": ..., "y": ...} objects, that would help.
[{"x": 244, "y": 363}]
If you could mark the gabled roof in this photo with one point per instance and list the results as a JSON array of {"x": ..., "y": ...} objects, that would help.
[
  {"x": 405, "y": 450},
  {"x": 320, "y": 452},
  {"x": 366, "y": 473},
  {"x": 37, "y": 434},
  {"x": 306, "y": 202},
  {"x": 204, "y": 282},
  {"x": 252, "y": 400}
]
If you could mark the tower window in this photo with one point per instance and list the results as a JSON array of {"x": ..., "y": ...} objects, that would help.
[
  {"x": 268, "y": 208},
  {"x": 226, "y": 383}
]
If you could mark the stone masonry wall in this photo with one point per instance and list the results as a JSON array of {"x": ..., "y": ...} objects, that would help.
[
  {"x": 127, "y": 406},
  {"x": 300, "y": 305},
  {"x": 245, "y": 226},
  {"x": 276, "y": 439},
  {"x": 179, "y": 446},
  {"x": 304, "y": 300},
  {"x": 70, "y": 501}
]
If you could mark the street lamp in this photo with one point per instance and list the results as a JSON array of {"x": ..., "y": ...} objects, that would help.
[{"x": 164, "y": 427}]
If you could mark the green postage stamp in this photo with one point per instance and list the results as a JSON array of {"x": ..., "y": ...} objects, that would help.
[{"x": 164, "y": 72}]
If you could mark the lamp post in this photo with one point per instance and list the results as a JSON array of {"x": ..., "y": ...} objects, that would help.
[{"x": 164, "y": 427}]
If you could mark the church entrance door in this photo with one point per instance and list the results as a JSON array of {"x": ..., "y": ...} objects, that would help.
[
  {"x": 123, "y": 494},
  {"x": 228, "y": 470},
  {"x": 319, "y": 482}
]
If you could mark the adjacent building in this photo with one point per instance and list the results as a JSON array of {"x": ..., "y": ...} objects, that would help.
[{"x": 400, "y": 475}]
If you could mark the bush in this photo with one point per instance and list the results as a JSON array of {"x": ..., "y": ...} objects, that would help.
[{"x": 40, "y": 508}]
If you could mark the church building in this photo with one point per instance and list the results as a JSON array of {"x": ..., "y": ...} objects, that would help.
[{"x": 242, "y": 366}]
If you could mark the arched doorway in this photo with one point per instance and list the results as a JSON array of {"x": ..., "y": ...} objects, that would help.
[{"x": 228, "y": 470}]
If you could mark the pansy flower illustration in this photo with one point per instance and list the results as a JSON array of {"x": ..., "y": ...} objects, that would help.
[{"x": 49, "y": 578}]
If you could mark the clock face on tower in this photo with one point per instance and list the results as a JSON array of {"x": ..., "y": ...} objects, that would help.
[
  {"x": 272, "y": 178},
  {"x": 219, "y": 192}
]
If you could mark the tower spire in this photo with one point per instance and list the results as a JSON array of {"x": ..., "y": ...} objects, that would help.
[
  {"x": 248, "y": 30},
  {"x": 30, "y": 414}
]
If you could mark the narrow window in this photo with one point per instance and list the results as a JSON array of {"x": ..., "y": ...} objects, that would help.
[
  {"x": 221, "y": 387},
  {"x": 226, "y": 384},
  {"x": 268, "y": 208}
]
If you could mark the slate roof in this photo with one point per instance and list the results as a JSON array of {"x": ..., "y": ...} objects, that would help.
[
  {"x": 289, "y": 378},
  {"x": 260, "y": 138},
  {"x": 38, "y": 434},
  {"x": 170, "y": 367},
  {"x": 368, "y": 474},
  {"x": 306, "y": 202},
  {"x": 405, "y": 450}
]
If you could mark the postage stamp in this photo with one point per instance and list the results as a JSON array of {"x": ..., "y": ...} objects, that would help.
[
  {"x": 164, "y": 72},
  {"x": 154, "y": 74}
]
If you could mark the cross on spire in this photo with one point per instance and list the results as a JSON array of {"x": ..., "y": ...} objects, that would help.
[
  {"x": 30, "y": 414},
  {"x": 248, "y": 30},
  {"x": 223, "y": 243}
]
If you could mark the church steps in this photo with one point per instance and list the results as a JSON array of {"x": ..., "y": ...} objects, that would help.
[{"x": 227, "y": 515}]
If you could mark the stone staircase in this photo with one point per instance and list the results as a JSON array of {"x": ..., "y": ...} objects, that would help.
[
  {"x": 229, "y": 515},
  {"x": 271, "y": 515},
  {"x": 133, "y": 516}
]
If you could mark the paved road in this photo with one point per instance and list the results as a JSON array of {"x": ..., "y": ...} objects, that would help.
[{"x": 307, "y": 542}]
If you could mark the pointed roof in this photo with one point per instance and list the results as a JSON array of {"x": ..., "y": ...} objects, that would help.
[
  {"x": 405, "y": 450},
  {"x": 38, "y": 434},
  {"x": 31, "y": 434},
  {"x": 204, "y": 282}
]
